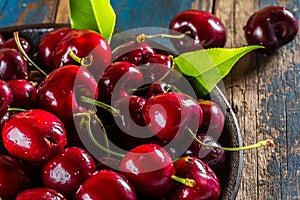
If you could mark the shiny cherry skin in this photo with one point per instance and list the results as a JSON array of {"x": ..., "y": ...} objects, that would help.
[
  {"x": 13, "y": 177},
  {"x": 207, "y": 184},
  {"x": 83, "y": 43},
  {"x": 41, "y": 194},
  {"x": 168, "y": 115},
  {"x": 159, "y": 87},
  {"x": 134, "y": 52},
  {"x": 106, "y": 184},
  {"x": 47, "y": 46},
  {"x": 34, "y": 135},
  {"x": 12, "y": 65},
  {"x": 60, "y": 92},
  {"x": 6, "y": 97},
  {"x": 149, "y": 167},
  {"x": 205, "y": 29},
  {"x": 11, "y": 43},
  {"x": 213, "y": 118},
  {"x": 214, "y": 157},
  {"x": 24, "y": 93},
  {"x": 66, "y": 171},
  {"x": 117, "y": 80},
  {"x": 2, "y": 40},
  {"x": 271, "y": 27}
]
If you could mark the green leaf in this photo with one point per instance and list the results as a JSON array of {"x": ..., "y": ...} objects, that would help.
[
  {"x": 205, "y": 68},
  {"x": 97, "y": 15}
]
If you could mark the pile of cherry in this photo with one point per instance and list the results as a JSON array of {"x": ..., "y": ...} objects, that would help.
[{"x": 49, "y": 119}]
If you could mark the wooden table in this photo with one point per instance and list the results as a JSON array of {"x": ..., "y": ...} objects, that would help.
[{"x": 263, "y": 90}]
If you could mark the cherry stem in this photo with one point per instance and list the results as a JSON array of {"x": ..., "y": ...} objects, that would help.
[
  {"x": 91, "y": 136},
  {"x": 84, "y": 62},
  {"x": 185, "y": 181},
  {"x": 16, "y": 110},
  {"x": 142, "y": 37},
  {"x": 17, "y": 39},
  {"x": 267, "y": 143},
  {"x": 105, "y": 106}
]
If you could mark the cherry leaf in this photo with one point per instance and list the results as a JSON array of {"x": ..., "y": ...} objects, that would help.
[
  {"x": 205, "y": 68},
  {"x": 94, "y": 15}
]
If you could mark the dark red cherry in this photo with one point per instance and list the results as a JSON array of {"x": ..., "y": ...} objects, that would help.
[
  {"x": 214, "y": 157},
  {"x": 60, "y": 92},
  {"x": 149, "y": 168},
  {"x": 168, "y": 115},
  {"x": 206, "y": 182},
  {"x": 12, "y": 65},
  {"x": 48, "y": 45},
  {"x": 205, "y": 30},
  {"x": 134, "y": 52},
  {"x": 213, "y": 118},
  {"x": 34, "y": 135},
  {"x": 24, "y": 93},
  {"x": 2, "y": 40},
  {"x": 6, "y": 97},
  {"x": 83, "y": 43},
  {"x": 159, "y": 87},
  {"x": 106, "y": 184},
  {"x": 117, "y": 80},
  {"x": 13, "y": 177},
  {"x": 11, "y": 43},
  {"x": 66, "y": 171},
  {"x": 41, "y": 194},
  {"x": 271, "y": 27}
]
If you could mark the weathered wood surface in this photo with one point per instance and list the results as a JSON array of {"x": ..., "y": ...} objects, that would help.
[{"x": 263, "y": 90}]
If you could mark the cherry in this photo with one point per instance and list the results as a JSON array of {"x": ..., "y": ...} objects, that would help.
[
  {"x": 24, "y": 93},
  {"x": 213, "y": 118},
  {"x": 13, "y": 177},
  {"x": 6, "y": 97},
  {"x": 66, "y": 171},
  {"x": 60, "y": 92},
  {"x": 11, "y": 43},
  {"x": 41, "y": 194},
  {"x": 12, "y": 65},
  {"x": 206, "y": 182},
  {"x": 159, "y": 87},
  {"x": 117, "y": 80},
  {"x": 34, "y": 135},
  {"x": 135, "y": 52},
  {"x": 205, "y": 29},
  {"x": 149, "y": 168},
  {"x": 2, "y": 40},
  {"x": 47, "y": 46},
  {"x": 106, "y": 184},
  {"x": 214, "y": 157},
  {"x": 271, "y": 27},
  {"x": 83, "y": 43},
  {"x": 169, "y": 114}
]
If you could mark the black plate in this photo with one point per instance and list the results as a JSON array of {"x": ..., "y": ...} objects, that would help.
[{"x": 231, "y": 175}]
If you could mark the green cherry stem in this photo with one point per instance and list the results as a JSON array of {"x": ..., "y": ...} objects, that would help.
[
  {"x": 109, "y": 108},
  {"x": 267, "y": 143},
  {"x": 185, "y": 181},
  {"x": 17, "y": 39},
  {"x": 142, "y": 37},
  {"x": 84, "y": 62},
  {"x": 16, "y": 110}
]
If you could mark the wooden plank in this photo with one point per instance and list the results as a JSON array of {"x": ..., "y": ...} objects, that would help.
[
  {"x": 28, "y": 12},
  {"x": 62, "y": 15},
  {"x": 264, "y": 91}
]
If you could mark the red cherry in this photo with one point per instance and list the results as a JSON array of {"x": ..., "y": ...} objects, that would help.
[
  {"x": 66, "y": 171},
  {"x": 83, "y": 43},
  {"x": 206, "y": 182},
  {"x": 134, "y": 52},
  {"x": 34, "y": 135},
  {"x": 13, "y": 177},
  {"x": 2, "y": 40},
  {"x": 41, "y": 194},
  {"x": 150, "y": 168},
  {"x": 12, "y": 65},
  {"x": 106, "y": 184},
  {"x": 11, "y": 43},
  {"x": 48, "y": 45},
  {"x": 60, "y": 92},
  {"x": 169, "y": 114},
  {"x": 24, "y": 93},
  {"x": 6, "y": 97},
  {"x": 205, "y": 29}
]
